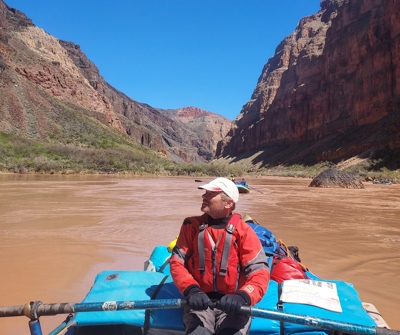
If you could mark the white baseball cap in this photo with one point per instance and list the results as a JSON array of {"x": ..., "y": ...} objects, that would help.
[{"x": 225, "y": 185}]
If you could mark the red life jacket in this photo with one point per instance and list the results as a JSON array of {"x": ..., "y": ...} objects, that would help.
[{"x": 216, "y": 265}]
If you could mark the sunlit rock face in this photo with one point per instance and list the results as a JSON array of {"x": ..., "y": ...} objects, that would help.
[
  {"x": 47, "y": 86},
  {"x": 331, "y": 90}
]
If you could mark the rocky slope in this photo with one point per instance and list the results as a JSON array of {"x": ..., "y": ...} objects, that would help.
[
  {"x": 330, "y": 92},
  {"x": 49, "y": 86},
  {"x": 207, "y": 127}
]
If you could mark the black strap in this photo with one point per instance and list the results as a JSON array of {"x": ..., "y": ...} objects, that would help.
[
  {"x": 279, "y": 306},
  {"x": 146, "y": 325},
  {"x": 162, "y": 267},
  {"x": 275, "y": 260}
]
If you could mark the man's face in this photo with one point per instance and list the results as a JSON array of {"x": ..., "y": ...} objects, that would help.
[{"x": 214, "y": 206}]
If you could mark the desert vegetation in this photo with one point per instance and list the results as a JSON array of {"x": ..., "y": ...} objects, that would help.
[{"x": 95, "y": 154}]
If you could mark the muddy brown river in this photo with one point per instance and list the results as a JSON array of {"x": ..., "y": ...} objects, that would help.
[{"x": 58, "y": 232}]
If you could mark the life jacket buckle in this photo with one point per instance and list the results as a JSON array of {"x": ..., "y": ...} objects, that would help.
[{"x": 230, "y": 228}]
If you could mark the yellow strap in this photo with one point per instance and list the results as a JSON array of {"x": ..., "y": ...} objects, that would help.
[{"x": 171, "y": 244}]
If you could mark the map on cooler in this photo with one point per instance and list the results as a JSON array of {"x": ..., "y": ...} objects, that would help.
[{"x": 311, "y": 292}]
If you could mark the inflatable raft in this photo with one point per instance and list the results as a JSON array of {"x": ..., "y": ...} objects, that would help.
[{"x": 155, "y": 286}]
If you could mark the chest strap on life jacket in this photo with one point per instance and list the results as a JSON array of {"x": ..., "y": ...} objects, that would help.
[
  {"x": 200, "y": 240},
  {"x": 227, "y": 246}
]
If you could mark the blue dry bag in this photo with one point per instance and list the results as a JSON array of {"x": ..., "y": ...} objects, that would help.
[{"x": 267, "y": 239}]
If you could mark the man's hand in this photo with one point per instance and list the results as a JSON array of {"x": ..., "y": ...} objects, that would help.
[
  {"x": 197, "y": 299},
  {"x": 231, "y": 303}
]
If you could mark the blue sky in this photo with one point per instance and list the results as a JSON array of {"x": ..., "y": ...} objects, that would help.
[{"x": 175, "y": 53}]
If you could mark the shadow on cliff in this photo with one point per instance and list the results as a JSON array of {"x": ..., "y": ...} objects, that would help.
[{"x": 373, "y": 142}]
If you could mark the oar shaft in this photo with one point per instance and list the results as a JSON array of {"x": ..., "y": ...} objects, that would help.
[
  {"x": 36, "y": 309},
  {"x": 11, "y": 311},
  {"x": 322, "y": 323},
  {"x": 252, "y": 188},
  {"x": 70, "y": 307},
  {"x": 128, "y": 305}
]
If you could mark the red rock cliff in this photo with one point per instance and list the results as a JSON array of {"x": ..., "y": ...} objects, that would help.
[
  {"x": 330, "y": 91},
  {"x": 49, "y": 87}
]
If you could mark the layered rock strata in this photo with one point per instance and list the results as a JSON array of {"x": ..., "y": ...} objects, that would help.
[
  {"x": 47, "y": 85},
  {"x": 331, "y": 91}
]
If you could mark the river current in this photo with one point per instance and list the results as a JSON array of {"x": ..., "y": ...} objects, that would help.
[{"x": 57, "y": 232}]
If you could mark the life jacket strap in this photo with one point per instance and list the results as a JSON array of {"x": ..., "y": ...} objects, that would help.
[
  {"x": 200, "y": 240},
  {"x": 227, "y": 245},
  {"x": 230, "y": 228}
]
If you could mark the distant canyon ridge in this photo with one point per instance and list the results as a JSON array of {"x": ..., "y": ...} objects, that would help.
[{"x": 330, "y": 92}]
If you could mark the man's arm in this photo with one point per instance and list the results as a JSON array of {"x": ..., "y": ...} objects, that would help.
[
  {"x": 182, "y": 251},
  {"x": 255, "y": 265}
]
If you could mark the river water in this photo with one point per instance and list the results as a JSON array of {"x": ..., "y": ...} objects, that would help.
[{"x": 58, "y": 232}]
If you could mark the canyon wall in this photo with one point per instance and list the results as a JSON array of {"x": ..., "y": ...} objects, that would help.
[
  {"x": 331, "y": 91},
  {"x": 51, "y": 90}
]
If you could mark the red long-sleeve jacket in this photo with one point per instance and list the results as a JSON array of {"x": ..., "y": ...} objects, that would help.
[{"x": 199, "y": 260}]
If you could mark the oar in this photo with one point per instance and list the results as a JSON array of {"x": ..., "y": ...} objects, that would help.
[
  {"x": 37, "y": 309},
  {"x": 252, "y": 188},
  {"x": 322, "y": 323},
  {"x": 67, "y": 308}
]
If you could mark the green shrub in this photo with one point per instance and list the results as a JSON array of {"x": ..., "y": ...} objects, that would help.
[{"x": 98, "y": 154}]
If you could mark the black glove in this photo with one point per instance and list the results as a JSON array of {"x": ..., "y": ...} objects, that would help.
[
  {"x": 197, "y": 299},
  {"x": 231, "y": 303}
]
